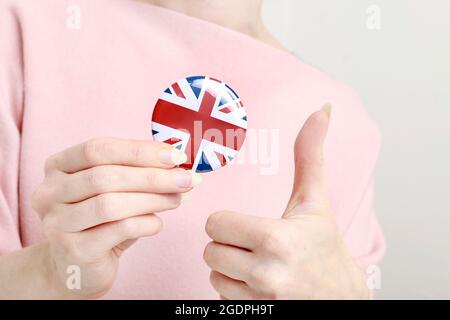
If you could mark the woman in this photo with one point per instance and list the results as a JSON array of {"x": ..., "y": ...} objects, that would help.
[{"x": 71, "y": 209}]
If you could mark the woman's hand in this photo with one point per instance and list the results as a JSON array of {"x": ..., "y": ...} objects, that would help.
[
  {"x": 97, "y": 198},
  {"x": 301, "y": 255}
]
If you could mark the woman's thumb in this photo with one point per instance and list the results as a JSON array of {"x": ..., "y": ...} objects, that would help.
[{"x": 309, "y": 181}]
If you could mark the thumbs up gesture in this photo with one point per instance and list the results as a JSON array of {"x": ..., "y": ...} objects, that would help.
[{"x": 299, "y": 256}]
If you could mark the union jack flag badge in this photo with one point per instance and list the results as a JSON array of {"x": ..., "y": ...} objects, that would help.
[{"x": 203, "y": 117}]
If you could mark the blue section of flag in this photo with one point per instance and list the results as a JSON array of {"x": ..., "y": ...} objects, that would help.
[
  {"x": 203, "y": 165},
  {"x": 195, "y": 89}
]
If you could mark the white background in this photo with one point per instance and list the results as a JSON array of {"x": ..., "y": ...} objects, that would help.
[{"x": 402, "y": 73}]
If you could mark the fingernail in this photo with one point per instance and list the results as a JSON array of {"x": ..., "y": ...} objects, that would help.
[
  {"x": 185, "y": 197},
  {"x": 171, "y": 156},
  {"x": 327, "y": 108},
  {"x": 187, "y": 179},
  {"x": 196, "y": 179},
  {"x": 183, "y": 179}
]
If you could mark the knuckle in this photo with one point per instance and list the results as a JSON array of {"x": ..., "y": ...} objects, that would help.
[
  {"x": 93, "y": 149},
  {"x": 152, "y": 177},
  {"x": 103, "y": 206},
  {"x": 97, "y": 179},
  {"x": 90, "y": 150},
  {"x": 276, "y": 241},
  {"x": 41, "y": 198},
  {"x": 272, "y": 240},
  {"x": 136, "y": 152}
]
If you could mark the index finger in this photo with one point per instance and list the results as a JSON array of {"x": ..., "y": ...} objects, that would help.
[
  {"x": 236, "y": 229},
  {"x": 111, "y": 151}
]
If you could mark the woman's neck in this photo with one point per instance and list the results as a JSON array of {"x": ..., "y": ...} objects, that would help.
[{"x": 241, "y": 15}]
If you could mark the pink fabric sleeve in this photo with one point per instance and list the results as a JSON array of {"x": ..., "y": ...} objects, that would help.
[
  {"x": 359, "y": 141},
  {"x": 11, "y": 93},
  {"x": 365, "y": 226}
]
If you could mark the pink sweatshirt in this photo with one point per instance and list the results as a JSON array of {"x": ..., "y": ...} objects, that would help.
[{"x": 60, "y": 86}]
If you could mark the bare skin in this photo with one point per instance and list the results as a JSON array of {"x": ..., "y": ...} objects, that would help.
[
  {"x": 96, "y": 200},
  {"x": 302, "y": 254},
  {"x": 81, "y": 204}
]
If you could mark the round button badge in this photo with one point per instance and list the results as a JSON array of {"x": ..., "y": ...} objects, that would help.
[{"x": 203, "y": 117}]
